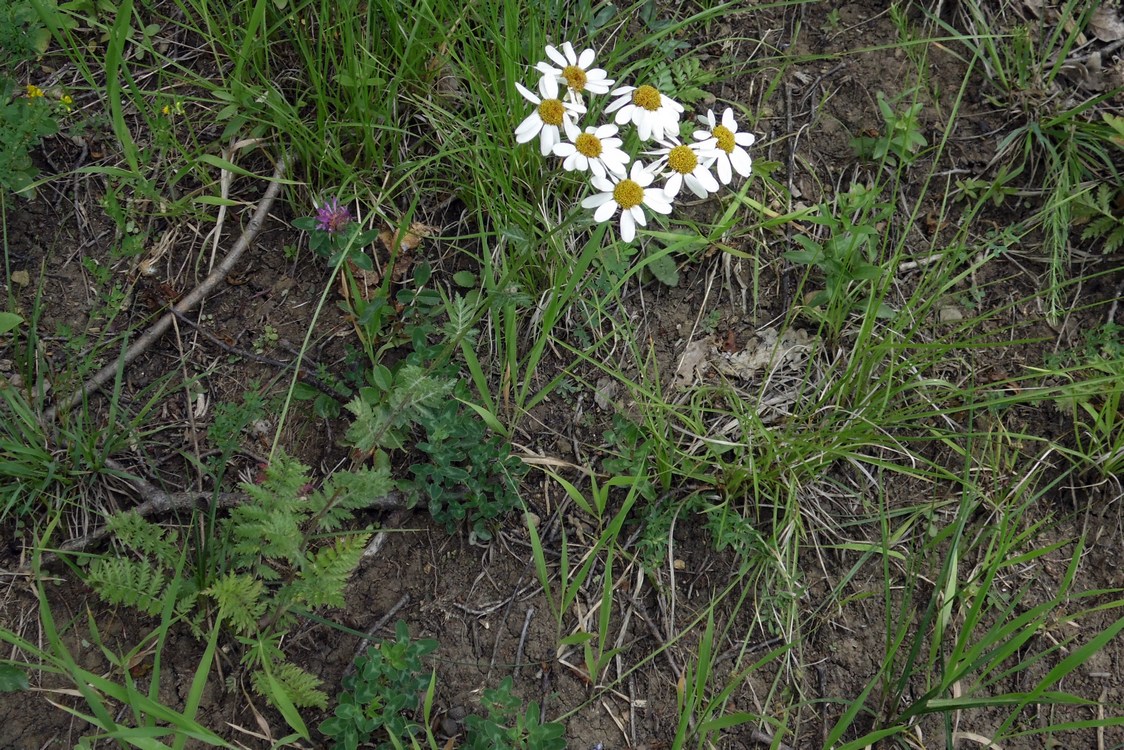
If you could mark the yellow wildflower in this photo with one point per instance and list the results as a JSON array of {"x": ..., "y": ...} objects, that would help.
[{"x": 33, "y": 91}]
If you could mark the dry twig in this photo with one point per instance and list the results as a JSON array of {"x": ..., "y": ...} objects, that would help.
[
  {"x": 159, "y": 502},
  {"x": 149, "y": 337}
]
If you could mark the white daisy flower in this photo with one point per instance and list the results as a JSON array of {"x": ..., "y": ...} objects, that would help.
[
  {"x": 574, "y": 73},
  {"x": 653, "y": 114},
  {"x": 629, "y": 194},
  {"x": 593, "y": 150},
  {"x": 729, "y": 145},
  {"x": 687, "y": 164},
  {"x": 549, "y": 116}
]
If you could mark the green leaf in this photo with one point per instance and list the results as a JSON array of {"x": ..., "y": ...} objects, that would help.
[
  {"x": 464, "y": 279},
  {"x": 804, "y": 257},
  {"x": 217, "y": 200},
  {"x": 9, "y": 321},
  {"x": 226, "y": 166},
  {"x": 12, "y": 679},
  {"x": 326, "y": 407},
  {"x": 664, "y": 268},
  {"x": 362, "y": 261}
]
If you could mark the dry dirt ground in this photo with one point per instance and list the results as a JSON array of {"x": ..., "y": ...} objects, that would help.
[{"x": 483, "y": 604}]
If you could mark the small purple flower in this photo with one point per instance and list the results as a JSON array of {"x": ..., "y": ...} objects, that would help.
[{"x": 332, "y": 217}]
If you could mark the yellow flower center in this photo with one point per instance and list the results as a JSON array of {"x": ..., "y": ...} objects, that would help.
[
  {"x": 628, "y": 194},
  {"x": 575, "y": 77},
  {"x": 682, "y": 159},
  {"x": 646, "y": 97},
  {"x": 588, "y": 145},
  {"x": 551, "y": 111},
  {"x": 725, "y": 138}
]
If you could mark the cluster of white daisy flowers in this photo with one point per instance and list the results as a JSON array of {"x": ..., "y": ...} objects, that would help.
[{"x": 622, "y": 183}]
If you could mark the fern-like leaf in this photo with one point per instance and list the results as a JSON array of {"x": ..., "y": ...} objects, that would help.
[
  {"x": 301, "y": 688},
  {"x": 413, "y": 396},
  {"x": 1097, "y": 209},
  {"x": 136, "y": 583},
  {"x": 285, "y": 479},
  {"x": 144, "y": 537},
  {"x": 325, "y": 574},
  {"x": 462, "y": 320},
  {"x": 274, "y": 535},
  {"x": 269, "y": 524},
  {"x": 346, "y": 492},
  {"x": 240, "y": 601}
]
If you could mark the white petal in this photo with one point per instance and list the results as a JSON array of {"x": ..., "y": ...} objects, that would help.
[
  {"x": 616, "y": 104},
  {"x": 556, "y": 56},
  {"x": 568, "y": 50},
  {"x": 628, "y": 226},
  {"x": 615, "y": 165},
  {"x": 641, "y": 175},
  {"x": 624, "y": 115},
  {"x": 597, "y": 168},
  {"x": 702, "y": 135},
  {"x": 645, "y": 125},
  {"x": 710, "y": 119},
  {"x": 527, "y": 94},
  {"x": 586, "y": 59},
  {"x": 572, "y": 130},
  {"x": 622, "y": 90},
  {"x": 602, "y": 184},
  {"x": 658, "y": 201},
  {"x": 605, "y": 210},
  {"x": 547, "y": 69},
  {"x": 745, "y": 139},
  {"x": 529, "y": 128},
  {"x": 674, "y": 183},
  {"x": 724, "y": 173},
  {"x": 549, "y": 139},
  {"x": 548, "y": 87},
  {"x": 693, "y": 185},
  {"x": 638, "y": 216},
  {"x": 565, "y": 149},
  {"x": 605, "y": 131},
  {"x": 741, "y": 161},
  {"x": 706, "y": 179},
  {"x": 596, "y": 200},
  {"x": 728, "y": 120}
]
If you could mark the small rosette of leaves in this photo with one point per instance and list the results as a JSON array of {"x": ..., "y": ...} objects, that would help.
[
  {"x": 506, "y": 724},
  {"x": 469, "y": 476},
  {"x": 382, "y": 694}
]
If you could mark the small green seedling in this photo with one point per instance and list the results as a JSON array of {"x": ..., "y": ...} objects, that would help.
[{"x": 901, "y": 139}]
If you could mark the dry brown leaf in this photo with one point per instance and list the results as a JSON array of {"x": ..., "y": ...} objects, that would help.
[
  {"x": 1106, "y": 24},
  {"x": 410, "y": 239},
  {"x": 367, "y": 283}
]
